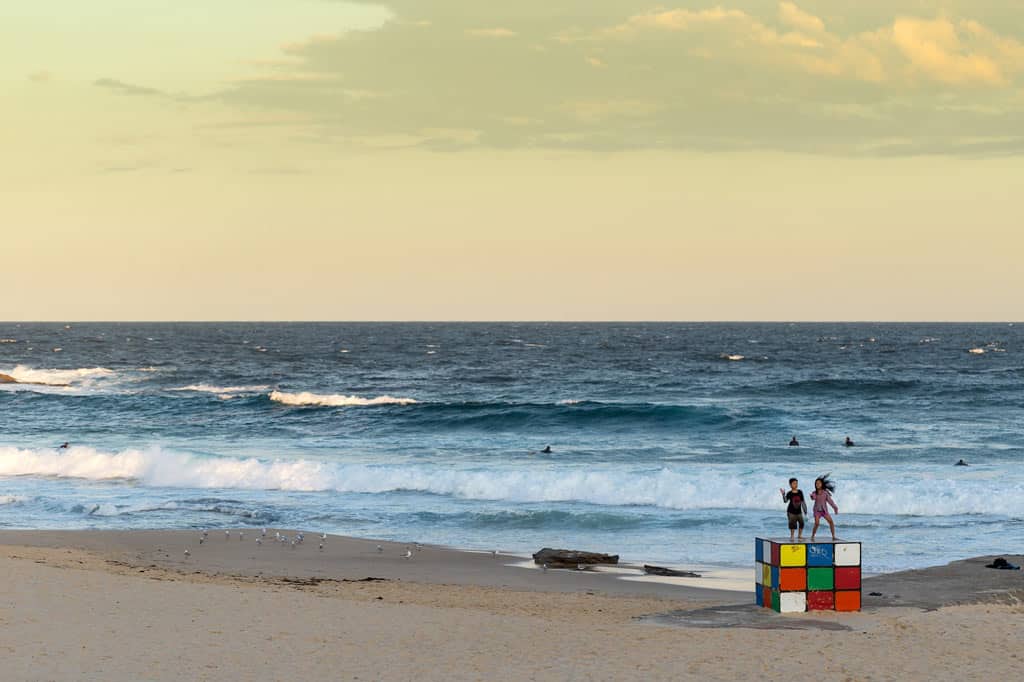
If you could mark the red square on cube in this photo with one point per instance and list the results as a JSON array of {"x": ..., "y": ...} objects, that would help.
[
  {"x": 775, "y": 554},
  {"x": 847, "y": 577},
  {"x": 820, "y": 600},
  {"x": 848, "y": 601},
  {"x": 792, "y": 579},
  {"x": 766, "y": 596}
]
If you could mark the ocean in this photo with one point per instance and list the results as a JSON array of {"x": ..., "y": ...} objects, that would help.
[{"x": 669, "y": 442}]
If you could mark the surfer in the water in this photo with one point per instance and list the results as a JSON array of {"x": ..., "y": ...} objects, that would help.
[
  {"x": 961, "y": 463},
  {"x": 794, "y": 442},
  {"x": 64, "y": 446},
  {"x": 546, "y": 450},
  {"x": 849, "y": 443}
]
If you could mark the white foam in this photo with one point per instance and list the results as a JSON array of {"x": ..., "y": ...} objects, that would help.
[
  {"x": 336, "y": 400},
  {"x": 221, "y": 390},
  {"x": 682, "y": 488},
  {"x": 57, "y": 377}
]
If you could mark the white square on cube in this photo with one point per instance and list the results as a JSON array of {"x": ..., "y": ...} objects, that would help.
[
  {"x": 793, "y": 602},
  {"x": 847, "y": 554},
  {"x": 766, "y": 551},
  {"x": 758, "y": 572}
]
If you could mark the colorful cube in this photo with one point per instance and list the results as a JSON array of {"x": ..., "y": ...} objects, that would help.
[{"x": 794, "y": 577}]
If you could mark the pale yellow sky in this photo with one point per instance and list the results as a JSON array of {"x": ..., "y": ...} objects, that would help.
[{"x": 449, "y": 159}]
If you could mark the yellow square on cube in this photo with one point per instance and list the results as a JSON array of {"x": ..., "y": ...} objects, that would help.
[
  {"x": 766, "y": 575},
  {"x": 793, "y": 555}
]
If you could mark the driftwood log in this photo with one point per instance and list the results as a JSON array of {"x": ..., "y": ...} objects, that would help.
[
  {"x": 572, "y": 558},
  {"x": 660, "y": 570}
]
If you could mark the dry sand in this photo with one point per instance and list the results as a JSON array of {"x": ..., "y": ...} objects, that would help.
[{"x": 130, "y": 606}]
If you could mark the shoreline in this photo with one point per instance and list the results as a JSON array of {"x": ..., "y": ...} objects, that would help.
[{"x": 127, "y": 605}]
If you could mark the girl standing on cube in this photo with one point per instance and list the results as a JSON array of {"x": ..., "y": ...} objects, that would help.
[{"x": 822, "y": 496}]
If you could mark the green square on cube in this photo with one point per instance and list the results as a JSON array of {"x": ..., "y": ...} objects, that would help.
[{"x": 820, "y": 578}]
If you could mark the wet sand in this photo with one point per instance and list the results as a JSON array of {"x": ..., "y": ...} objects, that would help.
[{"x": 96, "y": 605}]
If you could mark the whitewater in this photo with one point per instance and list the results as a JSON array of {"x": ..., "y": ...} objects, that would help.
[{"x": 668, "y": 441}]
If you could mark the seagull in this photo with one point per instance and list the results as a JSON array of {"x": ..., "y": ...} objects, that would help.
[
  {"x": 408, "y": 553},
  {"x": 323, "y": 536},
  {"x": 299, "y": 537},
  {"x": 259, "y": 541},
  {"x": 241, "y": 535},
  {"x": 580, "y": 567},
  {"x": 321, "y": 546},
  {"x": 277, "y": 535},
  {"x": 187, "y": 553},
  {"x": 494, "y": 553},
  {"x": 380, "y": 549},
  {"x": 227, "y": 535},
  {"x": 201, "y": 539},
  {"x": 293, "y": 544},
  {"x": 205, "y": 532},
  {"x": 545, "y": 568},
  {"x": 263, "y": 533},
  {"x": 419, "y": 547}
]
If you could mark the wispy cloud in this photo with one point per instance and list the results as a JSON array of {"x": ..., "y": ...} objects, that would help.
[{"x": 122, "y": 88}]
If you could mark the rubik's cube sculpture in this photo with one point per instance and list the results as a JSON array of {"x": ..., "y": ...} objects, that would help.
[{"x": 793, "y": 577}]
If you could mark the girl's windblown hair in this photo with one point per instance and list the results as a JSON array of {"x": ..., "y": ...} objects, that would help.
[{"x": 827, "y": 483}]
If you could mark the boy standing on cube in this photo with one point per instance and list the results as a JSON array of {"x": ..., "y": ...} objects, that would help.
[{"x": 796, "y": 510}]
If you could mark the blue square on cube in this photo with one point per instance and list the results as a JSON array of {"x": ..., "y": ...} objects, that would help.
[
  {"x": 775, "y": 577},
  {"x": 759, "y": 596},
  {"x": 758, "y": 550},
  {"x": 819, "y": 555}
]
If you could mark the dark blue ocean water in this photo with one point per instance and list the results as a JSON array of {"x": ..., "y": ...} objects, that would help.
[{"x": 669, "y": 440}]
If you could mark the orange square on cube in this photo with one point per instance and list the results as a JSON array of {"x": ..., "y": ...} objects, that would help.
[
  {"x": 792, "y": 579},
  {"x": 848, "y": 600}
]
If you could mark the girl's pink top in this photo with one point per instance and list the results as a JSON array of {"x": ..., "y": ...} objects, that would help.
[{"x": 821, "y": 499}]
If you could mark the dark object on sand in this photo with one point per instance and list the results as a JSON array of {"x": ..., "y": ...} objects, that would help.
[
  {"x": 660, "y": 570},
  {"x": 571, "y": 558},
  {"x": 1002, "y": 564},
  {"x": 874, "y": 594}
]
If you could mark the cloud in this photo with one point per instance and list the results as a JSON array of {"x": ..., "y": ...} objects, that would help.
[
  {"x": 122, "y": 88},
  {"x": 491, "y": 33},
  {"x": 793, "y": 16},
  {"x": 616, "y": 74}
]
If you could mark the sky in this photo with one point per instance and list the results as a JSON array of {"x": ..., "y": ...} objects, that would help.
[{"x": 535, "y": 160}]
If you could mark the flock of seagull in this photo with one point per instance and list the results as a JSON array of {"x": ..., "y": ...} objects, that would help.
[{"x": 294, "y": 541}]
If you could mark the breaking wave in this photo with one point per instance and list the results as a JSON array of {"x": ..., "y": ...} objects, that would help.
[
  {"x": 679, "y": 488},
  {"x": 335, "y": 400},
  {"x": 57, "y": 377}
]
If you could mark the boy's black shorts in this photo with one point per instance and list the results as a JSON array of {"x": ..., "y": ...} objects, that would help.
[{"x": 795, "y": 521}]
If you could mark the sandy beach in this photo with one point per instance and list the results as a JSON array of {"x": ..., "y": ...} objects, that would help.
[{"x": 95, "y": 605}]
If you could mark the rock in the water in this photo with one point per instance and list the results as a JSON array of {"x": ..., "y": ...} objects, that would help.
[
  {"x": 660, "y": 570},
  {"x": 7, "y": 379},
  {"x": 572, "y": 558}
]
